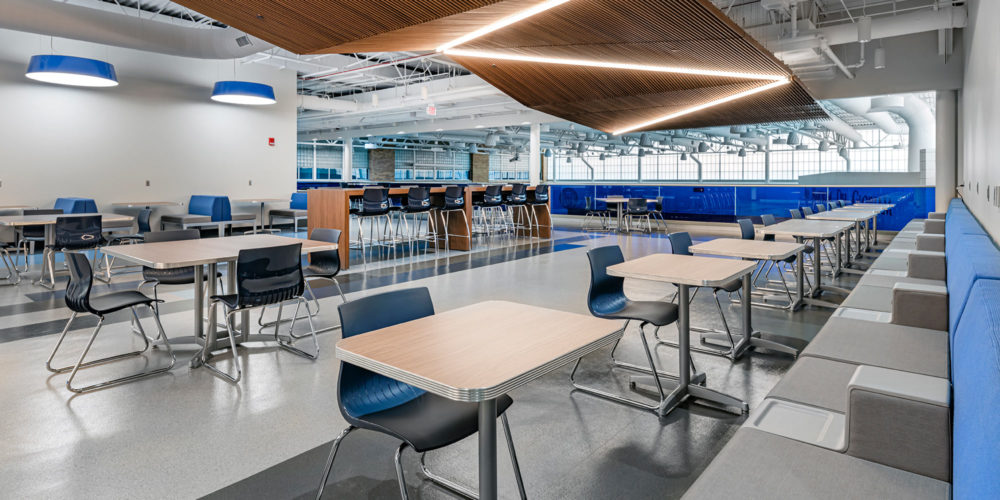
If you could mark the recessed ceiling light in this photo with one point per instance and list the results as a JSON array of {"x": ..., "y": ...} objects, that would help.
[
  {"x": 480, "y": 126},
  {"x": 706, "y": 105},
  {"x": 507, "y": 21}
]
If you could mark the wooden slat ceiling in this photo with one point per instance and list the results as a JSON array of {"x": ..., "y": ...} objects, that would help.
[{"x": 680, "y": 33}]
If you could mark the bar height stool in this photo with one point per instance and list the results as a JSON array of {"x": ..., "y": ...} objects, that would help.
[
  {"x": 517, "y": 204},
  {"x": 454, "y": 202},
  {"x": 418, "y": 202},
  {"x": 374, "y": 208},
  {"x": 488, "y": 215},
  {"x": 541, "y": 201}
]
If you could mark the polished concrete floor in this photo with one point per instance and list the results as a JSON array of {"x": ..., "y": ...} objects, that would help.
[{"x": 189, "y": 434}]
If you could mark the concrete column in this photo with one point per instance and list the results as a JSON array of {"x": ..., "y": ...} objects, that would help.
[
  {"x": 535, "y": 154},
  {"x": 946, "y": 172},
  {"x": 348, "y": 155}
]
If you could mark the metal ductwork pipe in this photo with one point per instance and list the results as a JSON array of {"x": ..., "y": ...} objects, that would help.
[
  {"x": 859, "y": 106},
  {"x": 918, "y": 118},
  {"x": 46, "y": 17},
  {"x": 838, "y": 126}
]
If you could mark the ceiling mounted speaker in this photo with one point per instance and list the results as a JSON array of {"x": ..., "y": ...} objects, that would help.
[
  {"x": 569, "y": 160},
  {"x": 742, "y": 153},
  {"x": 581, "y": 148},
  {"x": 684, "y": 156},
  {"x": 864, "y": 29},
  {"x": 793, "y": 138},
  {"x": 642, "y": 153},
  {"x": 602, "y": 157},
  {"x": 879, "y": 58},
  {"x": 824, "y": 146},
  {"x": 548, "y": 153},
  {"x": 702, "y": 147}
]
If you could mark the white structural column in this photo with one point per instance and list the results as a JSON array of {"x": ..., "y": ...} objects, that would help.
[
  {"x": 535, "y": 154},
  {"x": 348, "y": 157},
  {"x": 945, "y": 159}
]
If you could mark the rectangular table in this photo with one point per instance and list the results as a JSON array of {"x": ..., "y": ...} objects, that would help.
[
  {"x": 49, "y": 222},
  {"x": 686, "y": 271},
  {"x": 478, "y": 353},
  {"x": 145, "y": 204},
  {"x": 617, "y": 200},
  {"x": 857, "y": 216},
  {"x": 261, "y": 202},
  {"x": 206, "y": 254},
  {"x": 817, "y": 230},
  {"x": 760, "y": 250}
]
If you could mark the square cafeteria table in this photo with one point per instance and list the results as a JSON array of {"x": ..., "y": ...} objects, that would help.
[
  {"x": 472, "y": 354},
  {"x": 49, "y": 222},
  {"x": 816, "y": 230},
  {"x": 686, "y": 271},
  {"x": 760, "y": 250},
  {"x": 619, "y": 200},
  {"x": 857, "y": 216},
  {"x": 208, "y": 253}
]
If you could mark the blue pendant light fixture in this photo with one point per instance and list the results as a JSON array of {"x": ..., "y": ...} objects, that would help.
[
  {"x": 249, "y": 93},
  {"x": 69, "y": 70}
]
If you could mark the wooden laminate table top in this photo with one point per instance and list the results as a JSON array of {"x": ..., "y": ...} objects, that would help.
[
  {"x": 748, "y": 249},
  {"x": 50, "y": 219},
  {"x": 186, "y": 253},
  {"x": 481, "y": 351},
  {"x": 808, "y": 228},
  {"x": 683, "y": 269},
  {"x": 133, "y": 204}
]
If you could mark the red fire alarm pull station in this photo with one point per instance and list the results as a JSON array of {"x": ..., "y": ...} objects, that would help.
[{"x": 270, "y": 141}]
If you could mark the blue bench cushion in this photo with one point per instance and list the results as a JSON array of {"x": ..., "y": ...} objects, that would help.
[
  {"x": 73, "y": 205},
  {"x": 976, "y": 379},
  {"x": 216, "y": 207},
  {"x": 973, "y": 257},
  {"x": 300, "y": 201}
]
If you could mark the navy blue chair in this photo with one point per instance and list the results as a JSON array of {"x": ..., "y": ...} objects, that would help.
[
  {"x": 265, "y": 276},
  {"x": 795, "y": 213},
  {"x": 806, "y": 211},
  {"x": 820, "y": 207},
  {"x": 591, "y": 212},
  {"x": 606, "y": 299},
  {"x": 637, "y": 208},
  {"x": 680, "y": 244},
  {"x": 454, "y": 203},
  {"x": 747, "y": 231},
  {"x": 375, "y": 208},
  {"x": 79, "y": 300},
  {"x": 143, "y": 222},
  {"x": 421, "y": 420},
  {"x": 769, "y": 220}
]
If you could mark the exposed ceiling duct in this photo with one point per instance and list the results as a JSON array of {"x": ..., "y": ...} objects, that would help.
[
  {"x": 860, "y": 105},
  {"x": 918, "y": 117},
  {"x": 46, "y": 17}
]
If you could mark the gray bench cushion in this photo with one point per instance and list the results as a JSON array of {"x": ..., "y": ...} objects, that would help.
[
  {"x": 185, "y": 219},
  {"x": 905, "y": 348},
  {"x": 891, "y": 261},
  {"x": 243, "y": 217},
  {"x": 871, "y": 298},
  {"x": 816, "y": 382},
  {"x": 758, "y": 465},
  {"x": 888, "y": 281},
  {"x": 297, "y": 214}
]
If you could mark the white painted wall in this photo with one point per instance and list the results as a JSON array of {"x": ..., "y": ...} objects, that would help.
[
  {"x": 980, "y": 114},
  {"x": 158, "y": 125}
]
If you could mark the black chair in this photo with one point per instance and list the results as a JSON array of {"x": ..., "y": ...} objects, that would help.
[
  {"x": 324, "y": 266},
  {"x": 33, "y": 234},
  {"x": 80, "y": 301},
  {"x": 177, "y": 276},
  {"x": 680, "y": 244},
  {"x": 454, "y": 203},
  {"x": 74, "y": 233},
  {"x": 421, "y": 420},
  {"x": 266, "y": 276},
  {"x": 607, "y": 299},
  {"x": 517, "y": 203},
  {"x": 374, "y": 208},
  {"x": 488, "y": 216},
  {"x": 418, "y": 202},
  {"x": 769, "y": 220},
  {"x": 143, "y": 222},
  {"x": 637, "y": 209},
  {"x": 13, "y": 275},
  {"x": 590, "y": 206},
  {"x": 658, "y": 213},
  {"x": 747, "y": 231}
]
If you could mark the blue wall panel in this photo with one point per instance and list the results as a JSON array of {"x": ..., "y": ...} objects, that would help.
[{"x": 727, "y": 203}]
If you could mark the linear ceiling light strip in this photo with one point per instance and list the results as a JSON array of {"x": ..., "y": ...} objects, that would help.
[
  {"x": 612, "y": 65},
  {"x": 507, "y": 21},
  {"x": 700, "y": 107}
]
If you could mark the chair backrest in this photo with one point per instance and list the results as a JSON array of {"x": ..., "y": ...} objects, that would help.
[
  {"x": 820, "y": 207},
  {"x": 659, "y": 203},
  {"x": 588, "y": 203},
  {"x": 38, "y": 231},
  {"x": 807, "y": 211},
  {"x": 360, "y": 391},
  {"x": 493, "y": 194},
  {"x": 77, "y": 233},
  {"x": 81, "y": 281},
  {"x": 375, "y": 201},
  {"x": 417, "y": 198},
  {"x": 518, "y": 193},
  {"x": 299, "y": 201},
  {"x": 680, "y": 243},
  {"x": 607, "y": 293},
  {"x": 454, "y": 198},
  {"x": 329, "y": 260},
  {"x": 542, "y": 193},
  {"x": 269, "y": 275},
  {"x": 637, "y": 205},
  {"x": 216, "y": 207},
  {"x": 149, "y": 273},
  {"x": 143, "y": 220},
  {"x": 768, "y": 220},
  {"x": 746, "y": 229},
  {"x": 76, "y": 205},
  {"x": 795, "y": 213}
]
